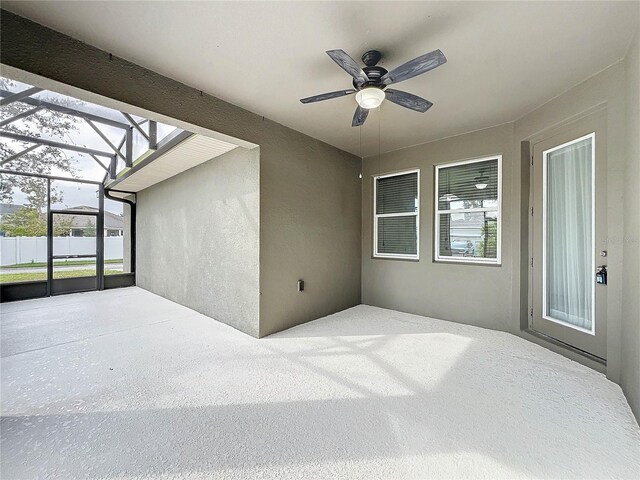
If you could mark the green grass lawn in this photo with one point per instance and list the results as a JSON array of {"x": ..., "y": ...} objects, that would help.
[
  {"x": 60, "y": 263},
  {"x": 28, "y": 277}
]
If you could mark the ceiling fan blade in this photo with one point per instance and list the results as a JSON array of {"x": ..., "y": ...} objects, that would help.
[
  {"x": 415, "y": 67},
  {"x": 408, "y": 100},
  {"x": 359, "y": 117},
  {"x": 348, "y": 64},
  {"x": 327, "y": 96}
]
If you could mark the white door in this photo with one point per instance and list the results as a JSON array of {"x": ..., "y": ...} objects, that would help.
[{"x": 569, "y": 200}]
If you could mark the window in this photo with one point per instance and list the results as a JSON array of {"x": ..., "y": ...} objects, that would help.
[
  {"x": 467, "y": 219},
  {"x": 396, "y": 200}
]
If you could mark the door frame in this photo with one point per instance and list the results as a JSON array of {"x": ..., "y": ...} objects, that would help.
[
  {"x": 76, "y": 284},
  {"x": 595, "y": 122}
]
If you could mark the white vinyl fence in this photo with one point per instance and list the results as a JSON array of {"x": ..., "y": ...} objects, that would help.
[{"x": 15, "y": 250}]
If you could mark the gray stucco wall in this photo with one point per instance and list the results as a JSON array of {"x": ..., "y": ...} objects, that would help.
[
  {"x": 309, "y": 191},
  {"x": 630, "y": 372},
  {"x": 198, "y": 239},
  {"x": 310, "y": 230},
  {"x": 473, "y": 294}
]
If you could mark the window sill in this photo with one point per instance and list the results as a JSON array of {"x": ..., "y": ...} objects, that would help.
[
  {"x": 396, "y": 257},
  {"x": 461, "y": 261}
]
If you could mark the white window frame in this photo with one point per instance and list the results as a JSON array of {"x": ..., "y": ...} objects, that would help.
[
  {"x": 376, "y": 216},
  {"x": 436, "y": 242},
  {"x": 545, "y": 159}
]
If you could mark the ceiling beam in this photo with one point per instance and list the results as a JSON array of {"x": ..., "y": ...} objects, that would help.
[
  {"x": 99, "y": 162},
  {"x": 19, "y": 96},
  {"x": 51, "y": 177},
  {"x": 112, "y": 167},
  {"x": 136, "y": 125},
  {"x": 51, "y": 143},
  {"x": 153, "y": 135},
  {"x": 107, "y": 141},
  {"x": 19, "y": 154},
  {"x": 129, "y": 147},
  {"x": 19, "y": 116},
  {"x": 67, "y": 110}
]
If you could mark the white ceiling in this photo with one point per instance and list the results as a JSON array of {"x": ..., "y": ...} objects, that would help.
[
  {"x": 504, "y": 58},
  {"x": 187, "y": 154}
]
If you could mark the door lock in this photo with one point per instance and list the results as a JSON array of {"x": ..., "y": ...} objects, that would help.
[{"x": 601, "y": 275}]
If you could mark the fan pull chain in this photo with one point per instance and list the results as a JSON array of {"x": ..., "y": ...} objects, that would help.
[
  {"x": 361, "y": 159},
  {"x": 379, "y": 170}
]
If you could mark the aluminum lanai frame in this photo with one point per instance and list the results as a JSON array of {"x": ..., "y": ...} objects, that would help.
[
  {"x": 26, "y": 97},
  {"x": 111, "y": 178},
  {"x": 93, "y": 120}
]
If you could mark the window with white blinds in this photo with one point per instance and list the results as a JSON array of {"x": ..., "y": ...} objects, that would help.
[
  {"x": 467, "y": 216},
  {"x": 396, "y": 200}
]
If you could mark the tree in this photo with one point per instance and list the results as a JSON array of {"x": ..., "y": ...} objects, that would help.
[
  {"x": 488, "y": 247},
  {"x": 29, "y": 222},
  {"x": 26, "y": 222},
  {"x": 43, "y": 160},
  {"x": 90, "y": 229},
  {"x": 62, "y": 226}
]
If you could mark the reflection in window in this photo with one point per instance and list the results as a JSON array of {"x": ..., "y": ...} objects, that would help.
[{"x": 468, "y": 211}]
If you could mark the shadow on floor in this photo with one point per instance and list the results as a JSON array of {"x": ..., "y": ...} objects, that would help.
[{"x": 479, "y": 407}]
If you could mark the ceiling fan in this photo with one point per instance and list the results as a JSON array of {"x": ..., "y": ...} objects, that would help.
[{"x": 370, "y": 83}]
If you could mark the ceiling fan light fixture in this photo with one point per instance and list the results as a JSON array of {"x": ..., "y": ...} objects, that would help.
[
  {"x": 448, "y": 197},
  {"x": 481, "y": 182},
  {"x": 370, "y": 97}
]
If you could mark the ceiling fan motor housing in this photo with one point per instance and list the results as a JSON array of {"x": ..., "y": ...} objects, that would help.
[
  {"x": 374, "y": 72},
  {"x": 371, "y": 57}
]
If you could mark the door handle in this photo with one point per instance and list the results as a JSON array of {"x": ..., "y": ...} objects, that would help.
[{"x": 601, "y": 275}]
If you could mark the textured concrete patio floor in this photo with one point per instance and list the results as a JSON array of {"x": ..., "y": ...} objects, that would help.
[{"x": 125, "y": 384}]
